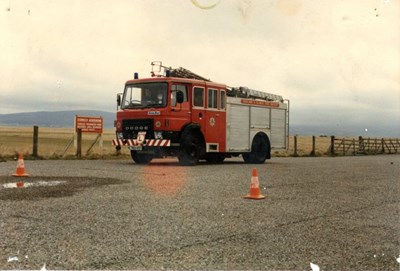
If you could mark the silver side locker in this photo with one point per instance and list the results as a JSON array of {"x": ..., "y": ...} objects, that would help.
[
  {"x": 279, "y": 128},
  {"x": 237, "y": 126}
]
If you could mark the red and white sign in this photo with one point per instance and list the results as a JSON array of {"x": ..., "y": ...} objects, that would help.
[
  {"x": 89, "y": 124},
  {"x": 261, "y": 103}
]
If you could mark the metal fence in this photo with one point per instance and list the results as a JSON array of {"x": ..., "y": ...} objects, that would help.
[{"x": 363, "y": 146}]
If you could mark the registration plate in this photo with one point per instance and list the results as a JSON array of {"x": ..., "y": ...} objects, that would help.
[{"x": 135, "y": 148}]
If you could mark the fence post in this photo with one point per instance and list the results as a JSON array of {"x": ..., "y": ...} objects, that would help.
[
  {"x": 332, "y": 150},
  {"x": 295, "y": 146},
  {"x": 35, "y": 141},
  {"x": 313, "y": 146},
  {"x": 361, "y": 147},
  {"x": 79, "y": 143}
]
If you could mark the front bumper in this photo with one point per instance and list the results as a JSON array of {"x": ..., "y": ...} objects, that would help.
[{"x": 146, "y": 142}]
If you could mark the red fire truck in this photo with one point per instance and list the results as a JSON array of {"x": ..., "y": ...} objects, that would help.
[{"x": 178, "y": 113}]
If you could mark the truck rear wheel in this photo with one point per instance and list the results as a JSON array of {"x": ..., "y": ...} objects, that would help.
[
  {"x": 190, "y": 149},
  {"x": 260, "y": 150},
  {"x": 141, "y": 158}
]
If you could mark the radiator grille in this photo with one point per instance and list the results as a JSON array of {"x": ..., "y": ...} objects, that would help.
[{"x": 131, "y": 128}]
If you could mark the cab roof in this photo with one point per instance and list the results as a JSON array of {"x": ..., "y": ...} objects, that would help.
[{"x": 175, "y": 79}]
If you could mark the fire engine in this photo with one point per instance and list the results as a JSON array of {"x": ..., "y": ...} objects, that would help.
[{"x": 176, "y": 112}]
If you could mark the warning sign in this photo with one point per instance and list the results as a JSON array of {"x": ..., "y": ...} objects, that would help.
[{"x": 89, "y": 124}]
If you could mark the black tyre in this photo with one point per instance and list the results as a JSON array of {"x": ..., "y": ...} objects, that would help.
[
  {"x": 190, "y": 149},
  {"x": 260, "y": 150},
  {"x": 141, "y": 158}
]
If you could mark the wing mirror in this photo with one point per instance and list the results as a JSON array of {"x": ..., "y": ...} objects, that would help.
[
  {"x": 179, "y": 97},
  {"x": 119, "y": 99}
]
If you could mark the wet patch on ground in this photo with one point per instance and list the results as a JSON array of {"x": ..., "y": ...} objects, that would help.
[{"x": 34, "y": 188}]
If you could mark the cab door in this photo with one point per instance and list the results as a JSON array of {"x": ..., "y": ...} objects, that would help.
[
  {"x": 215, "y": 120},
  {"x": 179, "y": 113}
]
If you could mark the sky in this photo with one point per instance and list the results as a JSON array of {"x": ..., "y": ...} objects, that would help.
[{"x": 337, "y": 61}]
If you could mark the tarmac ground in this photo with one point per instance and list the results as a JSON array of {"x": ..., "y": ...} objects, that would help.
[{"x": 341, "y": 213}]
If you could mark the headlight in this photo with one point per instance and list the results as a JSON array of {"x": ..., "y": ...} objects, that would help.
[
  {"x": 158, "y": 135},
  {"x": 120, "y": 135}
]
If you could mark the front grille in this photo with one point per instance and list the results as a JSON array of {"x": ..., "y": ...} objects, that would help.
[{"x": 131, "y": 128}]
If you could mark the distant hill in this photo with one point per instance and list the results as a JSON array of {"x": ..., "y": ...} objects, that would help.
[{"x": 64, "y": 119}]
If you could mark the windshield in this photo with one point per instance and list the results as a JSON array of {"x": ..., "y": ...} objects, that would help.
[{"x": 145, "y": 95}]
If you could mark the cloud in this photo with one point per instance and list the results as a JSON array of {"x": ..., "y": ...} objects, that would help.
[{"x": 326, "y": 55}]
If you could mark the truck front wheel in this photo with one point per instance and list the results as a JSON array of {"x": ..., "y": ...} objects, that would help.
[
  {"x": 190, "y": 149},
  {"x": 141, "y": 158}
]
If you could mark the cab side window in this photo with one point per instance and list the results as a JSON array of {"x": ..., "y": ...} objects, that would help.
[
  {"x": 198, "y": 96},
  {"x": 222, "y": 100},
  {"x": 212, "y": 98}
]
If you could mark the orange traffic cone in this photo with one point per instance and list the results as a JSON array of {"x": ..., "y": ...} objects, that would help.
[
  {"x": 254, "y": 187},
  {"x": 20, "y": 168}
]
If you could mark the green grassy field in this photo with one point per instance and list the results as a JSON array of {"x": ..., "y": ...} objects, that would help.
[
  {"x": 53, "y": 144},
  {"x": 304, "y": 146}
]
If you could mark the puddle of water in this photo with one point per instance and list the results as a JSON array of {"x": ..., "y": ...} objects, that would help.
[
  {"x": 35, "y": 184},
  {"x": 48, "y": 187}
]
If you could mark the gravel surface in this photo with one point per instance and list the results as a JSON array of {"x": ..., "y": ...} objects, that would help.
[{"x": 341, "y": 213}]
